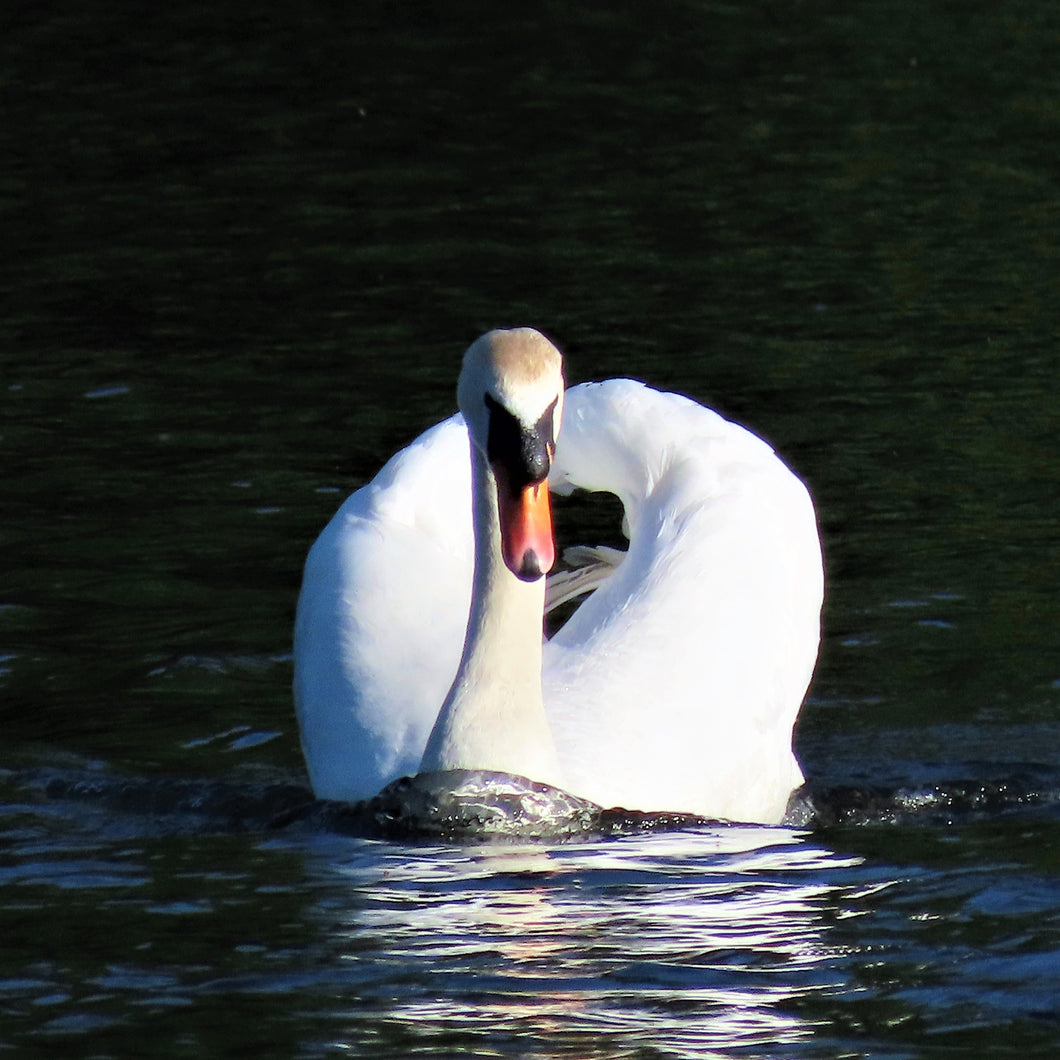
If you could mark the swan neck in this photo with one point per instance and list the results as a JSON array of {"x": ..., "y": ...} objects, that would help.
[
  {"x": 494, "y": 716},
  {"x": 505, "y": 622}
]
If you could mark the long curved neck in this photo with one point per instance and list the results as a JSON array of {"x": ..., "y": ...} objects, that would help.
[{"x": 494, "y": 717}]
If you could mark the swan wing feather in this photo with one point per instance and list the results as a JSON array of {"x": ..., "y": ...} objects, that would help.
[
  {"x": 676, "y": 684},
  {"x": 382, "y": 616}
]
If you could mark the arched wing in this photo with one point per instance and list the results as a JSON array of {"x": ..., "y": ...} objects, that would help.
[
  {"x": 678, "y": 681},
  {"x": 382, "y": 615}
]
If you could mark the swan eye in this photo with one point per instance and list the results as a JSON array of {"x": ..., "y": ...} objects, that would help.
[{"x": 525, "y": 453}]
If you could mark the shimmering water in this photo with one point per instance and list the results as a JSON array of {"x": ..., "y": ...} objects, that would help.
[{"x": 241, "y": 258}]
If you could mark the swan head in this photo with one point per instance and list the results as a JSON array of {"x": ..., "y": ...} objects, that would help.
[{"x": 510, "y": 392}]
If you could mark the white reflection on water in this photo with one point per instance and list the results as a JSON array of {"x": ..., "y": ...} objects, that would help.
[{"x": 692, "y": 942}]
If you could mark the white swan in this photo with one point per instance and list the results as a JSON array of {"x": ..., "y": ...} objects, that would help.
[{"x": 675, "y": 685}]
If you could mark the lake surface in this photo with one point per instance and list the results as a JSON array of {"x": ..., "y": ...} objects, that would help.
[{"x": 242, "y": 258}]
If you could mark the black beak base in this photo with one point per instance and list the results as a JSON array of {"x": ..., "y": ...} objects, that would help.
[{"x": 525, "y": 454}]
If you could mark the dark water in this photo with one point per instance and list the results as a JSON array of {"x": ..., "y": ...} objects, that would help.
[{"x": 242, "y": 254}]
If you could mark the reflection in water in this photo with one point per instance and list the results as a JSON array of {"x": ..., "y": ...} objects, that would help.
[
  {"x": 131, "y": 908},
  {"x": 695, "y": 940}
]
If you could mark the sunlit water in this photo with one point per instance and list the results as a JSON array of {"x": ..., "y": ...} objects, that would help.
[
  {"x": 733, "y": 941},
  {"x": 241, "y": 259}
]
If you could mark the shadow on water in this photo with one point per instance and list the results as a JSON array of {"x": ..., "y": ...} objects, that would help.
[{"x": 475, "y": 806}]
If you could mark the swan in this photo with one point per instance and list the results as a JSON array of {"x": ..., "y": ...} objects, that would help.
[{"x": 675, "y": 685}]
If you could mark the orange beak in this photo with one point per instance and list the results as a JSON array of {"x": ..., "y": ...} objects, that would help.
[{"x": 526, "y": 530}]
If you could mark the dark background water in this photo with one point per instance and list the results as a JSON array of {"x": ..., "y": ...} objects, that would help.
[{"x": 242, "y": 254}]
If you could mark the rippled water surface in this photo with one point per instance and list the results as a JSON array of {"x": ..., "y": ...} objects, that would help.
[{"x": 242, "y": 256}]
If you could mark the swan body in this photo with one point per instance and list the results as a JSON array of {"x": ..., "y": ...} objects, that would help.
[{"x": 674, "y": 686}]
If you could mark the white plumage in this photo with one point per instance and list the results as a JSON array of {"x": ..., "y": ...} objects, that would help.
[{"x": 674, "y": 686}]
